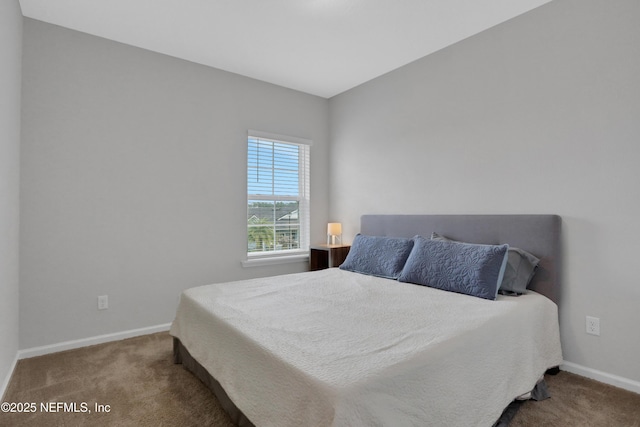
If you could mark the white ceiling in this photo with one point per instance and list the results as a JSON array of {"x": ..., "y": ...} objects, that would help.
[{"x": 322, "y": 47}]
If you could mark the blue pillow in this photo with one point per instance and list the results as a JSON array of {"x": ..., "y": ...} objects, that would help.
[
  {"x": 521, "y": 266},
  {"x": 466, "y": 268},
  {"x": 378, "y": 256}
]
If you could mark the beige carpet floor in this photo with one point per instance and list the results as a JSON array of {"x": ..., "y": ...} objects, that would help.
[{"x": 138, "y": 381}]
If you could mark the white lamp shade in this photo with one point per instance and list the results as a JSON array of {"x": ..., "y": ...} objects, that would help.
[{"x": 334, "y": 229}]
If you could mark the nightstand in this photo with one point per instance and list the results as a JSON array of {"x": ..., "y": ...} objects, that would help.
[{"x": 327, "y": 256}]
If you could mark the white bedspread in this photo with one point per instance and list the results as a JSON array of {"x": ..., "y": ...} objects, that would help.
[{"x": 334, "y": 348}]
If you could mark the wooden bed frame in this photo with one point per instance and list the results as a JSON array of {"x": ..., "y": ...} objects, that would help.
[{"x": 537, "y": 234}]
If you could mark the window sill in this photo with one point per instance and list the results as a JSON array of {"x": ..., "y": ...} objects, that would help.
[{"x": 275, "y": 259}]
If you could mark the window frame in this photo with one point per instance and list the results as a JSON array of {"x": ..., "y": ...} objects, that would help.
[{"x": 259, "y": 258}]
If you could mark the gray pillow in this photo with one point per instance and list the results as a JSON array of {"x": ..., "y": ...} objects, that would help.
[
  {"x": 466, "y": 268},
  {"x": 378, "y": 256},
  {"x": 521, "y": 266}
]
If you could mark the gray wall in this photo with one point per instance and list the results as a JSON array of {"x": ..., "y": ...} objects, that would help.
[
  {"x": 134, "y": 180},
  {"x": 537, "y": 115},
  {"x": 10, "y": 65}
]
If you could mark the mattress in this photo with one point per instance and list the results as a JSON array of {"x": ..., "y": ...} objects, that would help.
[{"x": 336, "y": 348}]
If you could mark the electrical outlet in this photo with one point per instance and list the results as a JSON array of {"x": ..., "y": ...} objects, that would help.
[
  {"x": 103, "y": 302},
  {"x": 593, "y": 325}
]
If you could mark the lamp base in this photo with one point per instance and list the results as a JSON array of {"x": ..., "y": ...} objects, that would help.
[{"x": 333, "y": 239}]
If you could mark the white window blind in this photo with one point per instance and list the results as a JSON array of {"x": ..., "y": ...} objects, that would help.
[{"x": 277, "y": 194}]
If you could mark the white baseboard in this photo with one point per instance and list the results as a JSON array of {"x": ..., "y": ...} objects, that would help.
[
  {"x": 84, "y": 342},
  {"x": 603, "y": 377},
  {"x": 5, "y": 383}
]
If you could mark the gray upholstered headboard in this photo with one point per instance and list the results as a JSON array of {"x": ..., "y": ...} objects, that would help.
[{"x": 537, "y": 234}]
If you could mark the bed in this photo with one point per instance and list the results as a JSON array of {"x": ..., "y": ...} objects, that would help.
[{"x": 341, "y": 348}]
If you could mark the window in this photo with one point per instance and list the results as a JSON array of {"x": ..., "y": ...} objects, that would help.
[{"x": 277, "y": 195}]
